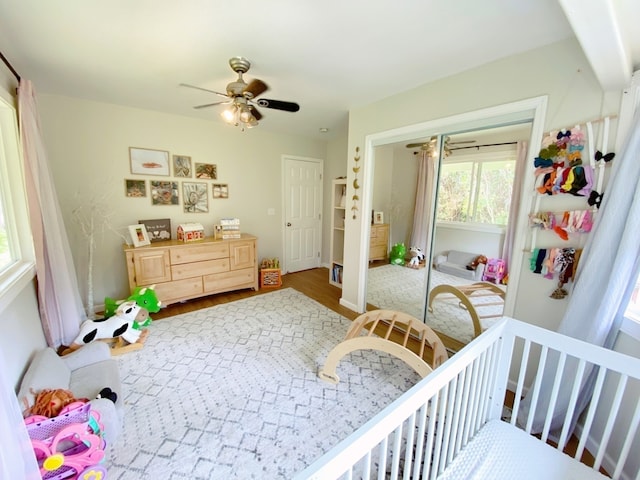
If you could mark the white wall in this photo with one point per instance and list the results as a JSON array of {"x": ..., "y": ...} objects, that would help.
[
  {"x": 88, "y": 146},
  {"x": 559, "y": 71}
]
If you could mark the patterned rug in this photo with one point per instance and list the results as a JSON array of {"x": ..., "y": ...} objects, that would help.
[
  {"x": 395, "y": 287},
  {"x": 231, "y": 392}
]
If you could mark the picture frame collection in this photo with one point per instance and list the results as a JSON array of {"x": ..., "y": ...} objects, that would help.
[{"x": 193, "y": 177}]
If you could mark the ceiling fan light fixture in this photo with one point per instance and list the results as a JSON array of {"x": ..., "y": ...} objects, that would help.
[{"x": 229, "y": 114}]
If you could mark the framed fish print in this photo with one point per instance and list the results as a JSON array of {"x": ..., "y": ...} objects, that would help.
[{"x": 145, "y": 161}]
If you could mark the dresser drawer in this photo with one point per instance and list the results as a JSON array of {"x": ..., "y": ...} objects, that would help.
[
  {"x": 219, "y": 282},
  {"x": 170, "y": 292},
  {"x": 197, "y": 269},
  {"x": 378, "y": 252},
  {"x": 198, "y": 253}
]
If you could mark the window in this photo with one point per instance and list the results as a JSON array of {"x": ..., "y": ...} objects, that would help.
[
  {"x": 16, "y": 246},
  {"x": 476, "y": 189}
]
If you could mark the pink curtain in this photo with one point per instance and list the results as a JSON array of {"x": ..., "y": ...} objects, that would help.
[
  {"x": 521, "y": 166},
  {"x": 60, "y": 305},
  {"x": 424, "y": 194}
]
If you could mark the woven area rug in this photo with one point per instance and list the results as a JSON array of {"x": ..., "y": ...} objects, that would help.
[
  {"x": 231, "y": 392},
  {"x": 395, "y": 287}
]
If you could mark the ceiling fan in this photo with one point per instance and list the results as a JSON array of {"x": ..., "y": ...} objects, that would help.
[
  {"x": 430, "y": 145},
  {"x": 241, "y": 97}
]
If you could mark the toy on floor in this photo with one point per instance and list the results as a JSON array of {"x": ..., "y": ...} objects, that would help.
[
  {"x": 398, "y": 252},
  {"x": 145, "y": 297},
  {"x": 363, "y": 335},
  {"x": 69, "y": 445},
  {"x": 417, "y": 257},
  {"x": 50, "y": 402},
  {"x": 494, "y": 271},
  {"x": 480, "y": 259},
  {"x": 121, "y": 325}
]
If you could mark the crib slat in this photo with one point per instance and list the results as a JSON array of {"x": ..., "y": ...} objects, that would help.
[
  {"x": 473, "y": 401},
  {"x": 554, "y": 395},
  {"x": 448, "y": 423},
  {"x": 408, "y": 454},
  {"x": 455, "y": 420},
  {"x": 606, "y": 435},
  {"x": 395, "y": 453},
  {"x": 573, "y": 400},
  {"x": 382, "y": 458},
  {"x": 439, "y": 431},
  {"x": 626, "y": 446},
  {"x": 464, "y": 409},
  {"x": 421, "y": 438},
  {"x": 521, "y": 376},
  {"x": 536, "y": 388},
  {"x": 591, "y": 412},
  {"x": 427, "y": 462}
]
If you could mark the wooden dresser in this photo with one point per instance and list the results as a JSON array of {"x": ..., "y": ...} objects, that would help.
[
  {"x": 379, "y": 242},
  {"x": 182, "y": 271}
]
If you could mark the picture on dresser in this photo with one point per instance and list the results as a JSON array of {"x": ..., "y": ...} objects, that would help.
[
  {"x": 158, "y": 229},
  {"x": 139, "y": 235},
  {"x": 164, "y": 193},
  {"x": 220, "y": 190},
  {"x": 378, "y": 218},
  {"x": 135, "y": 188},
  {"x": 181, "y": 166},
  {"x": 207, "y": 171},
  {"x": 146, "y": 161},
  {"x": 195, "y": 198}
]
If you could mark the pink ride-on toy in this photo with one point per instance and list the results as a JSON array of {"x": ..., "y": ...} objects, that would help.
[
  {"x": 68, "y": 446},
  {"x": 494, "y": 270}
]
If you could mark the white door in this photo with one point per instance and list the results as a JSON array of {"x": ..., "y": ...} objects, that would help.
[{"x": 302, "y": 213}]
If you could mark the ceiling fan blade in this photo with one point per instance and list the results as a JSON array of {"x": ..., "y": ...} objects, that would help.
[
  {"x": 203, "y": 89},
  {"x": 278, "y": 105},
  {"x": 415, "y": 145},
  {"x": 255, "y": 112},
  {"x": 255, "y": 88},
  {"x": 210, "y": 104}
]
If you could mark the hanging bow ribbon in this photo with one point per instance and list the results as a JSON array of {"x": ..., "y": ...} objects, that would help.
[
  {"x": 566, "y": 134},
  {"x": 607, "y": 157},
  {"x": 595, "y": 199}
]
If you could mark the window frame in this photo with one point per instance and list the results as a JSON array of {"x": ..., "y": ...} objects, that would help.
[
  {"x": 476, "y": 168},
  {"x": 14, "y": 203}
]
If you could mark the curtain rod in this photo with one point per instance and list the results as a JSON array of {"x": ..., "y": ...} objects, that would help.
[{"x": 10, "y": 67}]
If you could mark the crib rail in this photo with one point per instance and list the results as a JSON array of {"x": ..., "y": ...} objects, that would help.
[{"x": 421, "y": 433}]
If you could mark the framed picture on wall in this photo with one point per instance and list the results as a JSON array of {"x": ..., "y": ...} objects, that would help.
[
  {"x": 378, "y": 218},
  {"x": 206, "y": 171},
  {"x": 181, "y": 166},
  {"x": 220, "y": 190},
  {"x": 194, "y": 197},
  {"x": 146, "y": 161},
  {"x": 139, "y": 235},
  {"x": 164, "y": 193},
  {"x": 135, "y": 188}
]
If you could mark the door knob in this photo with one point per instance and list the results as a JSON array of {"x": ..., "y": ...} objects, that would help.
[{"x": 288, "y": 224}]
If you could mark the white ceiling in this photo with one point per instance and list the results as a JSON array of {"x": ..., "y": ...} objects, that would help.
[{"x": 328, "y": 56}]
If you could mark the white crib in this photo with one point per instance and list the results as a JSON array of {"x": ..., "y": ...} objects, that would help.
[{"x": 452, "y": 424}]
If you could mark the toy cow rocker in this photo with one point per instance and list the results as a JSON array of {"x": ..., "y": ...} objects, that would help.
[
  {"x": 119, "y": 325},
  {"x": 417, "y": 256}
]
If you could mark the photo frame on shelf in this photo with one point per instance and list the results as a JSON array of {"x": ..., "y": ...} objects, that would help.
[
  {"x": 206, "y": 171},
  {"x": 139, "y": 235},
  {"x": 158, "y": 229},
  {"x": 135, "y": 188},
  {"x": 194, "y": 197},
  {"x": 147, "y": 161},
  {"x": 378, "y": 218},
  {"x": 182, "y": 166},
  {"x": 220, "y": 190}
]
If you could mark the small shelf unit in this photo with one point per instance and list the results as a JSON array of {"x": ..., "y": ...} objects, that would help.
[{"x": 338, "y": 215}]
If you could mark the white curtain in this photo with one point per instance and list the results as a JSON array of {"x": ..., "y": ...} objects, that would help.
[
  {"x": 606, "y": 275},
  {"x": 17, "y": 460},
  {"x": 424, "y": 194},
  {"x": 59, "y": 300},
  {"x": 516, "y": 193}
]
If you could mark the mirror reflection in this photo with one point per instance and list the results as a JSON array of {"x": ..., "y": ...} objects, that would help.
[{"x": 442, "y": 209}]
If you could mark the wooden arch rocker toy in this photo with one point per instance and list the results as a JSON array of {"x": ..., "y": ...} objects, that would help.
[{"x": 361, "y": 337}]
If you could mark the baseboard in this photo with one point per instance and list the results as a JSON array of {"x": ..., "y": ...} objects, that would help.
[{"x": 349, "y": 305}]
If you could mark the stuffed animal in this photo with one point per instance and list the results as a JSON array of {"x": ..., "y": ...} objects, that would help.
[
  {"x": 145, "y": 297},
  {"x": 398, "y": 251},
  {"x": 51, "y": 401},
  {"x": 477, "y": 261},
  {"x": 119, "y": 325},
  {"x": 417, "y": 256}
]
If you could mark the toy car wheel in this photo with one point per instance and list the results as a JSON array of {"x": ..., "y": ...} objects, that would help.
[{"x": 95, "y": 472}]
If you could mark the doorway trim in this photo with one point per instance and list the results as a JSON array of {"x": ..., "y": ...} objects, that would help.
[{"x": 532, "y": 109}]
